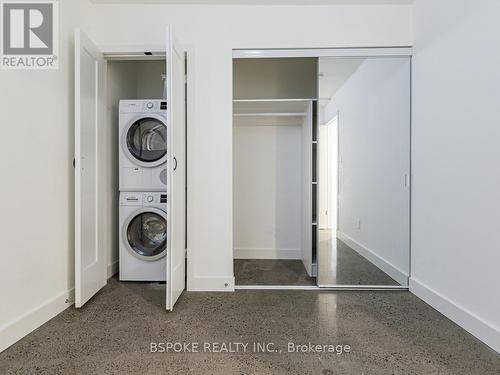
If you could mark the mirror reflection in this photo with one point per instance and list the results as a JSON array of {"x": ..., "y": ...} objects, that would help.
[{"x": 364, "y": 168}]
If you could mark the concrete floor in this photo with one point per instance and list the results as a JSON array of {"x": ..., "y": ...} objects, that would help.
[
  {"x": 389, "y": 332},
  {"x": 271, "y": 272},
  {"x": 338, "y": 264}
]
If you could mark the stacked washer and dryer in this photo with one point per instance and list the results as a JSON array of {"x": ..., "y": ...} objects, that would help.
[{"x": 143, "y": 158}]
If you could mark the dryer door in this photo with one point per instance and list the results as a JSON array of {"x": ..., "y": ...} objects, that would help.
[
  {"x": 145, "y": 141},
  {"x": 145, "y": 233}
]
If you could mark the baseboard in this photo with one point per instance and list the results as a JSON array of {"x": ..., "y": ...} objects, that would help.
[
  {"x": 210, "y": 284},
  {"x": 28, "y": 322},
  {"x": 393, "y": 271},
  {"x": 248, "y": 253},
  {"x": 112, "y": 269},
  {"x": 473, "y": 324}
]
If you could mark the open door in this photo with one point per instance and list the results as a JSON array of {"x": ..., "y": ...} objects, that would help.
[
  {"x": 176, "y": 247},
  {"x": 90, "y": 252}
]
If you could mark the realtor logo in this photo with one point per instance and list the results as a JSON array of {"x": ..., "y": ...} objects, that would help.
[{"x": 29, "y": 34}]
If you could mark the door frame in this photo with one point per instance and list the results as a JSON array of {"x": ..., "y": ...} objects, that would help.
[
  {"x": 138, "y": 53},
  {"x": 341, "y": 52}
]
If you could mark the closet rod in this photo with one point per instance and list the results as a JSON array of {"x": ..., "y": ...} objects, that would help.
[
  {"x": 275, "y": 114},
  {"x": 273, "y": 100}
]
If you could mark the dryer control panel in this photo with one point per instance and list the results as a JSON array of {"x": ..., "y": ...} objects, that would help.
[
  {"x": 152, "y": 105},
  {"x": 142, "y": 199}
]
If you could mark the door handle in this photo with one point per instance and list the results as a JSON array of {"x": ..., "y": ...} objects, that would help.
[
  {"x": 74, "y": 160},
  {"x": 175, "y": 163}
]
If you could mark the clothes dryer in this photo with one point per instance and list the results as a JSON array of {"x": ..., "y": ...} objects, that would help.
[{"x": 143, "y": 145}]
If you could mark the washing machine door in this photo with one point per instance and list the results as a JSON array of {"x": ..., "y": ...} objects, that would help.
[
  {"x": 145, "y": 233},
  {"x": 145, "y": 141}
]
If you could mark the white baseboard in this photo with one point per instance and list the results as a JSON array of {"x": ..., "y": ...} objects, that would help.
[
  {"x": 248, "y": 253},
  {"x": 112, "y": 269},
  {"x": 473, "y": 324},
  {"x": 210, "y": 284},
  {"x": 31, "y": 320},
  {"x": 393, "y": 271}
]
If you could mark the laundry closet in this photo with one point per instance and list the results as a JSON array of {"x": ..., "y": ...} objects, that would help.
[
  {"x": 275, "y": 120},
  {"x": 129, "y": 166}
]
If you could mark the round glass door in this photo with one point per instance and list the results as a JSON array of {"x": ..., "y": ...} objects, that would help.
[
  {"x": 147, "y": 235},
  {"x": 147, "y": 140}
]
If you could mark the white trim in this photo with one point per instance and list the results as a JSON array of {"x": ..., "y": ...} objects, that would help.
[
  {"x": 270, "y": 114},
  {"x": 466, "y": 319},
  {"x": 110, "y": 49},
  {"x": 112, "y": 269},
  {"x": 320, "y": 287},
  {"x": 134, "y": 57},
  {"x": 15, "y": 330},
  {"x": 262, "y": 253},
  {"x": 323, "y": 52},
  {"x": 275, "y": 100},
  {"x": 393, "y": 271},
  {"x": 211, "y": 284}
]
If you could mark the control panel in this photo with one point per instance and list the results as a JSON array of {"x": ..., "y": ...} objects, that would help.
[
  {"x": 142, "y": 199},
  {"x": 153, "y": 105}
]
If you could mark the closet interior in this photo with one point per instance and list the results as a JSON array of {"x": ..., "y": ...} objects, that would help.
[
  {"x": 275, "y": 131},
  {"x": 129, "y": 79},
  {"x": 321, "y": 168}
]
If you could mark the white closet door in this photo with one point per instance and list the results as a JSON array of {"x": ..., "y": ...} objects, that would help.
[
  {"x": 176, "y": 250},
  {"x": 90, "y": 250}
]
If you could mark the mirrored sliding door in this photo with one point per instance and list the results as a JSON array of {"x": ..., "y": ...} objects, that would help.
[{"x": 363, "y": 157}]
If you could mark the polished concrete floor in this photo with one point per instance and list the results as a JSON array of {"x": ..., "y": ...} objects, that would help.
[
  {"x": 271, "y": 272},
  {"x": 338, "y": 264},
  {"x": 389, "y": 333}
]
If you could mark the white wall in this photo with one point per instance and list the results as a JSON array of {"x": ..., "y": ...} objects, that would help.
[
  {"x": 149, "y": 82},
  {"x": 210, "y": 33},
  {"x": 267, "y": 191},
  {"x": 274, "y": 78},
  {"x": 374, "y": 151},
  {"x": 456, "y": 196},
  {"x": 37, "y": 226},
  {"x": 328, "y": 175},
  {"x": 120, "y": 85}
]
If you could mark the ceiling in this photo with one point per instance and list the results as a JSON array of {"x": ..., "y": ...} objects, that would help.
[{"x": 256, "y": 2}]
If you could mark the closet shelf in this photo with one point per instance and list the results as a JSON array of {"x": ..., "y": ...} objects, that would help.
[
  {"x": 267, "y": 108},
  {"x": 257, "y": 112}
]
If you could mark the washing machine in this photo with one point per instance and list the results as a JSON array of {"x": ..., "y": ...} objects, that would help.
[
  {"x": 143, "y": 150},
  {"x": 143, "y": 236}
]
